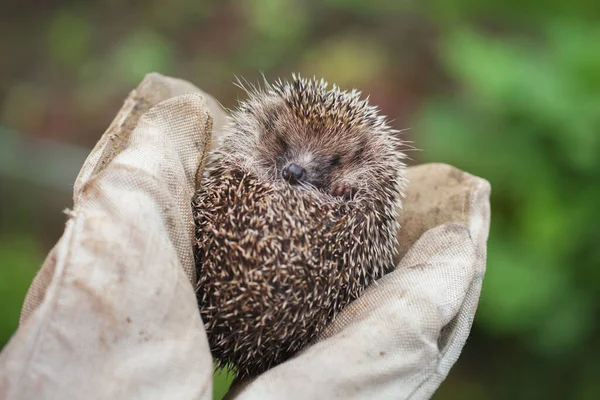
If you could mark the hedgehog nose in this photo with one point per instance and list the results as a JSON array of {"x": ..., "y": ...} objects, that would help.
[{"x": 294, "y": 174}]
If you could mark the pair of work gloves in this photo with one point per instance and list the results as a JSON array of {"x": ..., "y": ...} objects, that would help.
[{"x": 112, "y": 313}]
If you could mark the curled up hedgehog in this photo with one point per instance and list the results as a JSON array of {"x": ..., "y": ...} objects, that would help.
[{"x": 295, "y": 217}]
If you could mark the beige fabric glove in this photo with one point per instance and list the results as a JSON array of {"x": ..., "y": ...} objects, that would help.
[{"x": 112, "y": 313}]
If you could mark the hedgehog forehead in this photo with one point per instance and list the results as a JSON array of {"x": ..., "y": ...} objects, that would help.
[
  {"x": 282, "y": 119},
  {"x": 314, "y": 104},
  {"x": 311, "y": 104}
]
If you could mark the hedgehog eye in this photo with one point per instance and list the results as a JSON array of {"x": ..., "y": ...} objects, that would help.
[
  {"x": 283, "y": 144},
  {"x": 335, "y": 161}
]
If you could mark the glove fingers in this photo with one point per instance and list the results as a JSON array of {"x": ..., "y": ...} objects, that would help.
[
  {"x": 169, "y": 145},
  {"x": 119, "y": 318}
]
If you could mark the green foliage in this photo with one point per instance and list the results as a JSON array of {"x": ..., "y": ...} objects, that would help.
[
  {"x": 19, "y": 261},
  {"x": 221, "y": 382},
  {"x": 333, "y": 59},
  {"x": 139, "y": 53},
  {"x": 526, "y": 118},
  {"x": 68, "y": 38}
]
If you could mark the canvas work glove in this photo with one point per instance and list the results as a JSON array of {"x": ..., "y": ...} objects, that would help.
[{"x": 112, "y": 313}]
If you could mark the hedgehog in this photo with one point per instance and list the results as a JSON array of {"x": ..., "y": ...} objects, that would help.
[{"x": 296, "y": 215}]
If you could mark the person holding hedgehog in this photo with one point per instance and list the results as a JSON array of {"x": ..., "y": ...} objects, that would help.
[{"x": 114, "y": 311}]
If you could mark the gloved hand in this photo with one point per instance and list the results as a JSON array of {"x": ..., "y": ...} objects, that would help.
[{"x": 112, "y": 312}]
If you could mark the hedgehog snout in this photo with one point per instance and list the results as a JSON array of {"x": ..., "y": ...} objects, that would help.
[{"x": 294, "y": 174}]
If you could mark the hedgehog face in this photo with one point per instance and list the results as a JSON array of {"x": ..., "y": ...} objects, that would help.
[
  {"x": 308, "y": 154},
  {"x": 302, "y": 134}
]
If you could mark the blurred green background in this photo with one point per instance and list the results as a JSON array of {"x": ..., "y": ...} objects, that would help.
[{"x": 507, "y": 90}]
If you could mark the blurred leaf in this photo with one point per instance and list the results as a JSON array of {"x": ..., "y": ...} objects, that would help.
[
  {"x": 512, "y": 80},
  {"x": 572, "y": 42},
  {"x": 518, "y": 289},
  {"x": 376, "y": 7},
  {"x": 336, "y": 60},
  {"x": 519, "y": 13},
  {"x": 280, "y": 29},
  {"x": 141, "y": 53},
  {"x": 568, "y": 322},
  {"x": 24, "y": 106},
  {"x": 68, "y": 38},
  {"x": 20, "y": 260},
  {"x": 279, "y": 20}
]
